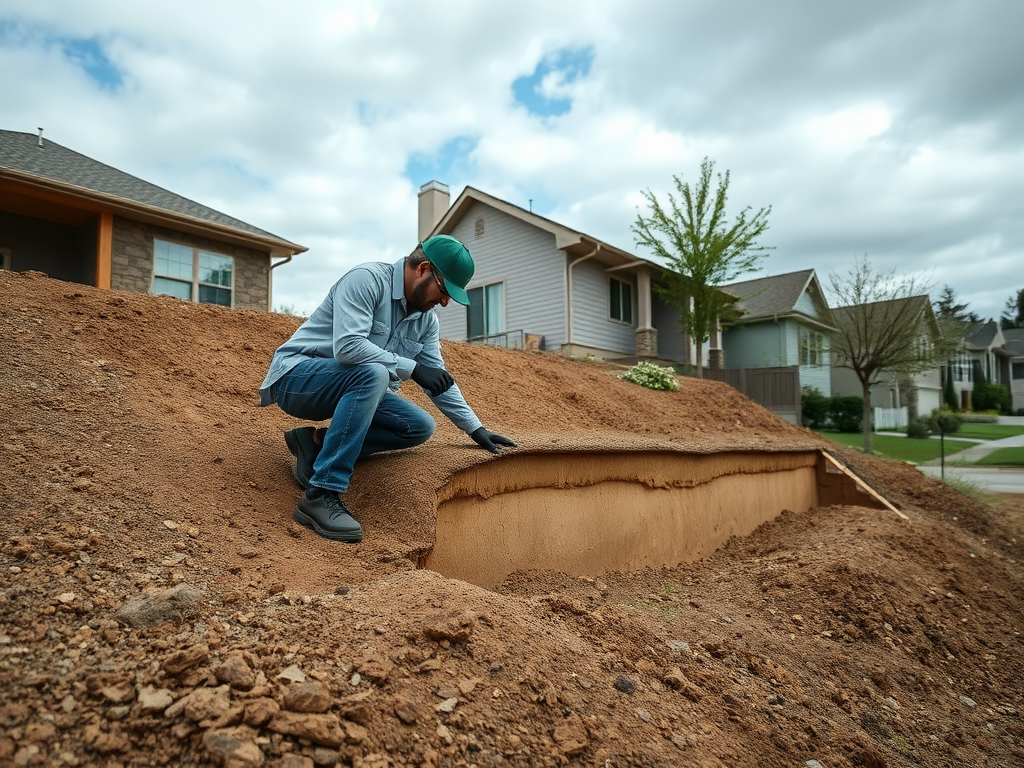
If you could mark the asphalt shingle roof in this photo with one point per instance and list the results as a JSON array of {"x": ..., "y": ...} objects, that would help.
[
  {"x": 770, "y": 296},
  {"x": 983, "y": 334},
  {"x": 21, "y": 152}
]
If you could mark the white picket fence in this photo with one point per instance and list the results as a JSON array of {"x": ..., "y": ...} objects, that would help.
[{"x": 890, "y": 418}]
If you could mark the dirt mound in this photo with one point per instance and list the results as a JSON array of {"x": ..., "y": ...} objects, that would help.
[{"x": 159, "y": 607}]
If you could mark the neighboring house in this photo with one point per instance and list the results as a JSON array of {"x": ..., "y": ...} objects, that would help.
[
  {"x": 785, "y": 321},
  {"x": 986, "y": 345},
  {"x": 1014, "y": 346},
  {"x": 79, "y": 220},
  {"x": 544, "y": 285},
  {"x": 920, "y": 392}
]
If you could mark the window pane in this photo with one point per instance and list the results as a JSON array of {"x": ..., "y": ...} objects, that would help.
[
  {"x": 164, "y": 287},
  {"x": 214, "y": 268},
  {"x": 614, "y": 297},
  {"x": 210, "y": 295},
  {"x": 494, "y": 306},
  {"x": 475, "y": 313},
  {"x": 172, "y": 260},
  {"x": 627, "y": 303}
]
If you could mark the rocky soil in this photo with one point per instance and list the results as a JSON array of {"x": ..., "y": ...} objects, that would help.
[{"x": 159, "y": 607}]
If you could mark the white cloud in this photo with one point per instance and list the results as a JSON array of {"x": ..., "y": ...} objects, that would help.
[{"x": 884, "y": 128}]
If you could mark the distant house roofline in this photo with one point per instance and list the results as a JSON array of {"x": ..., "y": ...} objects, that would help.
[
  {"x": 71, "y": 178},
  {"x": 566, "y": 238},
  {"x": 775, "y": 297}
]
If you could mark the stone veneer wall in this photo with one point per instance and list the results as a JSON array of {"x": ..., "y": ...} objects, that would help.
[
  {"x": 132, "y": 261},
  {"x": 647, "y": 342}
]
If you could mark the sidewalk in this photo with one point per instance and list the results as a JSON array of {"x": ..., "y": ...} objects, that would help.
[
  {"x": 982, "y": 449},
  {"x": 979, "y": 451}
]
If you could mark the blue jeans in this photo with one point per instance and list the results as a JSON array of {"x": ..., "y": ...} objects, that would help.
[{"x": 365, "y": 417}]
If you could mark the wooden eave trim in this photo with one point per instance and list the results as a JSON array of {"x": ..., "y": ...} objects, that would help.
[{"x": 99, "y": 202}]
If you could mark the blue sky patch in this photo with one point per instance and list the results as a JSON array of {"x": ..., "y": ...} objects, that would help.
[
  {"x": 451, "y": 160},
  {"x": 539, "y": 92},
  {"x": 88, "y": 54}
]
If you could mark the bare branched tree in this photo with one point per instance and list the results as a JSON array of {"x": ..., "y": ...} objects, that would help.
[{"x": 886, "y": 327}]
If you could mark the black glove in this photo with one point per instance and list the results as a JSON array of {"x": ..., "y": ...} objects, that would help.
[
  {"x": 489, "y": 440},
  {"x": 435, "y": 381}
]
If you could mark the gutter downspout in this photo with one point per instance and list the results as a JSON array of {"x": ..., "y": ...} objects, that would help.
[
  {"x": 270, "y": 286},
  {"x": 568, "y": 292}
]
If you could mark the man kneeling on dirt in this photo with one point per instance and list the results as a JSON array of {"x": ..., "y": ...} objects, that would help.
[{"x": 374, "y": 330}]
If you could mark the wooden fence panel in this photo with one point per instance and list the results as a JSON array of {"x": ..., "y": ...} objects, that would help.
[{"x": 777, "y": 389}]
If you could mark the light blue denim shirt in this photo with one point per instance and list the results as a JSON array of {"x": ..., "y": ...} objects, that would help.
[{"x": 363, "y": 320}]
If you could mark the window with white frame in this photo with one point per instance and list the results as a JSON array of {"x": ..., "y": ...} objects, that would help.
[
  {"x": 812, "y": 348},
  {"x": 620, "y": 301},
  {"x": 1017, "y": 370},
  {"x": 192, "y": 273},
  {"x": 5, "y": 258},
  {"x": 485, "y": 315},
  {"x": 961, "y": 366}
]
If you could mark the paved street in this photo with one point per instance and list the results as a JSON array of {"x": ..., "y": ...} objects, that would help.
[{"x": 992, "y": 479}]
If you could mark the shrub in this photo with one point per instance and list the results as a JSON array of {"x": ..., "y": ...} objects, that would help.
[
  {"x": 943, "y": 422},
  {"x": 990, "y": 397},
  {"x": 918, "y": 429},
  {"x": 846, "y": 413},
  {"x": 652, "y": 376},
  {"x": 979, "y": 418},
  {"x": 813, "y": 408},
  {"x": 949, "y": 393}
]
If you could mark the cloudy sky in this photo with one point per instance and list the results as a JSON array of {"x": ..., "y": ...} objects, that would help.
[{"x": 886, "y": 128}]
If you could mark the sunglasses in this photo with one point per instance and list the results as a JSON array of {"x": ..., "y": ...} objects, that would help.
[{"x": 438, "y": 279}]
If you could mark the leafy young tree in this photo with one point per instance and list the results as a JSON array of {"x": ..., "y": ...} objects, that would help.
[
  {"x": 885, "y": 326},
  {"x": 702, "y": 249}
]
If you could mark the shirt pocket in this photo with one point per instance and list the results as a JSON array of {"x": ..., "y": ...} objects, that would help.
[{"x": 409, "y": 348}]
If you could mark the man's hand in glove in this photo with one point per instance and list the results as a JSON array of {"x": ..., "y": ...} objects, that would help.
[
  {"x": 435, "y": 381},
  {"x": 489, "y": 440}
]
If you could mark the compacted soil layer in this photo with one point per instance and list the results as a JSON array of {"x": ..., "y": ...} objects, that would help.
[{"x": 158, "y": 606}]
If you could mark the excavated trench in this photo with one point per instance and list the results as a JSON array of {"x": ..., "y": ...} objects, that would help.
[{"x": 586, "y": 513}]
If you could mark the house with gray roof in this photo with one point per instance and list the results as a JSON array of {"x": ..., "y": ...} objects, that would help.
[
  {"x": 986, "y": 344},
  {"x": 80, "y": 220},
  {"x": 784, "y": 320}
]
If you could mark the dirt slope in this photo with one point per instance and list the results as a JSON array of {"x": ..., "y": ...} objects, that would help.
[{"x": 139, "y": 465}]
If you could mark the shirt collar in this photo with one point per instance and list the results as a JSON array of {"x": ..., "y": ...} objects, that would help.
[{"x": 398, "y": 282}]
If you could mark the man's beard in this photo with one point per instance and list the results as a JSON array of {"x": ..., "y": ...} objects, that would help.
[{"x": 418, "y": 299}]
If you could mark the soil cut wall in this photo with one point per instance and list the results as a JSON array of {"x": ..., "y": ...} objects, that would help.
[{"x": 586, "y": 514}]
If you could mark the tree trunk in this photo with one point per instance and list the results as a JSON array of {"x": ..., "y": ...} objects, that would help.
[
  {"x": 700, "y": 361},
  {"x": 869, "y": 443}
]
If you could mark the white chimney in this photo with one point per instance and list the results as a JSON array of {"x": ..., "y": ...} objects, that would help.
[
  {"x": 434, "y": 201},
  {"x": 40, "y": 137}
]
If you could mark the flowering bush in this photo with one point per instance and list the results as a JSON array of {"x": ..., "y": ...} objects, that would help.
[{"x": 652, "y": 376}]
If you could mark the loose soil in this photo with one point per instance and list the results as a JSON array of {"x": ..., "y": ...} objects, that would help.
[{"x": 158, "y": 606}]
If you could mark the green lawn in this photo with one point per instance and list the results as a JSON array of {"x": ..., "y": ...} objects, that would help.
[
  {"x": 899, "y": 448},
  {"x": 981, "y": 431},
  {"x": 1003, "y": 457},
  {"x": 988, "y": 431}
]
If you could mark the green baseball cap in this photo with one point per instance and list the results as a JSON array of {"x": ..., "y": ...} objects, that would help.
[{"x": 453, "y": 263}]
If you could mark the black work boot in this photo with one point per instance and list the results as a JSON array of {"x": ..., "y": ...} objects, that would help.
[
  {"x": 326, "y": 514},
  {"x": 305, "y": 449}
]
